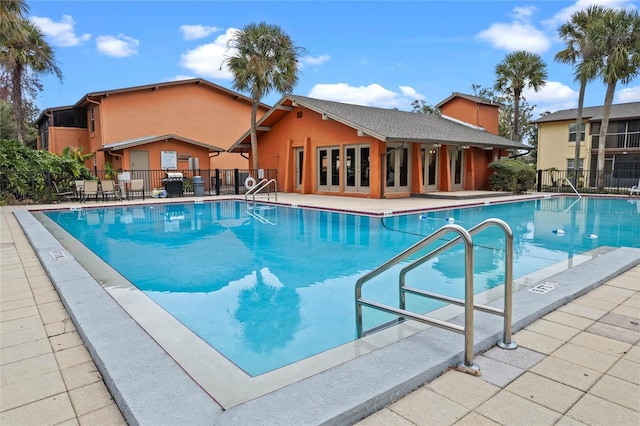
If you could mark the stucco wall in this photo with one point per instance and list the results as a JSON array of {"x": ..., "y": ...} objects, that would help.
[
  {"x": 482, "y": 115},
  {"x": 554, "y": 148},
  {"x": 310, "y": 131}
]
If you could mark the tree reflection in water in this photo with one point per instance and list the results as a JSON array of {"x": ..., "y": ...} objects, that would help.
[{"x": 268, "y": 313}]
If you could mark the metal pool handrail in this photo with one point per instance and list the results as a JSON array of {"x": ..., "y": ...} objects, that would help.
[
  {"x": 468, "y": 365},
  {"x": 506, "y": 313},
  {"x": 573, "y": 187},
  {"x": 264, "y": 183}
]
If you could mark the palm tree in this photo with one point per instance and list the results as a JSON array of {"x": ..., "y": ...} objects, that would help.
[
  {"x": 264, "y": 59},
  {"x": 517, "y": 71},
  {"x": 581, "y": 53},
  {"x": 617, "y": 36},
  {"x": 12, "y": 12},
  {"x": 22, "y": 51}
]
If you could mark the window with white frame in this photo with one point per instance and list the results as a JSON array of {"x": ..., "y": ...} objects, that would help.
[
  {"x": 571, "y": 164},
  {"x": 572, "y": 132}
]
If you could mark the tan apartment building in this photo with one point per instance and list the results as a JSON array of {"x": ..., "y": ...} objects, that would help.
[{"x": 557, "y": 138}]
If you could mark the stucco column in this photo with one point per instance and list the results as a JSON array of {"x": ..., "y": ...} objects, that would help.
[
  {"x": 445, "y": 169},
  {"x": 288, "y": 178},
  {"x": 307, "y": 168}
]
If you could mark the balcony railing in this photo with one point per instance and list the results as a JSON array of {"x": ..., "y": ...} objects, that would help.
[{"x": 617, "y": 141}]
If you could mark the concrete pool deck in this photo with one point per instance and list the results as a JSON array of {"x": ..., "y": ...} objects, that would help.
[{"x": 592, "y": 336}]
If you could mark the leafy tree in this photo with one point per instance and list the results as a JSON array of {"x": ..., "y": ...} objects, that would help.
[
  {"x": 420, "y": 106},
  {"x": 581, "y": 52},
  {"x": 264, "y": 58},
  {"x": 617, "y": 36},
  {"x": 23, "y": 50},
  {"x": 517, "y": 71}
]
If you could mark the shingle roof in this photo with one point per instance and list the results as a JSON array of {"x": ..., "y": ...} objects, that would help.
[
  {"x": 472, "y": 98},
  {"x": 618, "y": 111},
  {"x": 388, "y": 125},
  {"x": 130, "y": 143}
]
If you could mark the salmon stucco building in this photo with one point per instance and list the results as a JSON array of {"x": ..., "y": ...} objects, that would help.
[
  {"x": 172, "y": 125},
  {"x": 333, "y": 148}
]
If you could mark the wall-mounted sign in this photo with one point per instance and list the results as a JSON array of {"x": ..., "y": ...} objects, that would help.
[
  {"x": 124, "y": 177},
  {"x": 169, "y": 160}
]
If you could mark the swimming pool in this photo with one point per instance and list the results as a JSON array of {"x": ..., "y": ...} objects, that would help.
[{"x": 272, "y": 285}]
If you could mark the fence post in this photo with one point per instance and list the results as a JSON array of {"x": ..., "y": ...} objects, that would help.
[
  {"x": 217, "y": 181},
  {"x": 236, "y": 179},
  {"x": 539, "y": 187}
]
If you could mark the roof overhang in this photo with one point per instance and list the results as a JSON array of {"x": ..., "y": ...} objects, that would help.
[{"x": 117, "y": 146}]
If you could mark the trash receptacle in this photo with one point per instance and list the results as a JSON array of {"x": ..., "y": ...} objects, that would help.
[{"x": 198, "y": 186}]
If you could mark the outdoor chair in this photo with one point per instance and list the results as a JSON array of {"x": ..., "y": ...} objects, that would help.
[
  {"x": 61, "y": 195},
  {"x": 90, "y": 189},
  {"x": 78, "y": 189},
  {"x": 136, "y": 185},
  {"x": 109, "y": 190},
  {"x": 635, "y": 189}
]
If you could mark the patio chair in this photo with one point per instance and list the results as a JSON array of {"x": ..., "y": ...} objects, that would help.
[
  {"x": 90, "y": 189},
  {"x": 136, "y": 185},
  {"x": 109, "y": 190},
  {"x": 61, "y": 195},
  {"x": 78, "y": 189},
  {"x": 635, "y": 189}
]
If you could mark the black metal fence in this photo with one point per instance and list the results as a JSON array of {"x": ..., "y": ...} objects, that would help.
[
  {"x": 614, "y": 182},
  {"x": 38, "y": 186}
]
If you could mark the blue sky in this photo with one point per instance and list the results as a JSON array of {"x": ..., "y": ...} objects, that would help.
[{"x": 377, "y": 53}]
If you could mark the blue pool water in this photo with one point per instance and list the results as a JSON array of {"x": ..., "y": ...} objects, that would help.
[{"x": 270, "y": 286}]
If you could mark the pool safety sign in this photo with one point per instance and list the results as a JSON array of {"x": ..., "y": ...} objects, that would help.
[
  {"x": 58, "y": 255},
  {"x": 545, "y": 287}
]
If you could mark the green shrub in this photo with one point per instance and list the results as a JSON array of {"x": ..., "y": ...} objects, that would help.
[
  {"x": 511, "y": 175},
  {"x": 26, "y": 174}
]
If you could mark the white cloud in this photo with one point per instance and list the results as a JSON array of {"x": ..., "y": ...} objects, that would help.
[
  {"x": 371, "y": 95},
  {"x": 181, "y": 77},
  {"x": 208, "y": 59},
  {"x": 628, "y": 94},
  {"x": 553, "y": 91},
  {"x": 314, "y": 60},
  {"x": 552, "y": 97},
  {"x": 515, "y": 36},
  {"x": 410, "y": 92},
  {"x": 193, "y": 32},
  {"x": 523, "y": 13},
  {"x": 61, "y": 33},
  {"x": 120, "y": 46},
  {"x": 564, "y": 15}
]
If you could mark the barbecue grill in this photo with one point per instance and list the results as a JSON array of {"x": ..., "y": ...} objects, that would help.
[{"x": 173, "y": 184}]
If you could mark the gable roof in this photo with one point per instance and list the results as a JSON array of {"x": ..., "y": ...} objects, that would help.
[
  {"x": 130, "y": 143},
  {"x": 155, "y": 86},
  {"x": 472, "y": 98},
  {"x": 618, "y": 111},
  {"x": 383, "y": 124}
]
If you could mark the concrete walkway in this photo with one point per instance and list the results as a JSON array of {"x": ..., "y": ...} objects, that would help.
[
  {"x": 47, "y": 374},
  {"x": 577, "y": 365}
]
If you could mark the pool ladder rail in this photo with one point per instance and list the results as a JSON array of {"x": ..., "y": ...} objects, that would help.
[
  {"x": 468, "y": 303},
  {"x": 260, "y": 188}
]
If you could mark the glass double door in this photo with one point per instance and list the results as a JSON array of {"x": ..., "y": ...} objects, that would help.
[
  {"x": 397, "y": 176},
  {"x": 329, "y": 169},
  {"x": 356, "y": 168},
  {"x": 430, "y": 157}
]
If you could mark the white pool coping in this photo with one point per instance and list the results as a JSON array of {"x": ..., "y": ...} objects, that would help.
[{"x": 133, "y": 339}]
